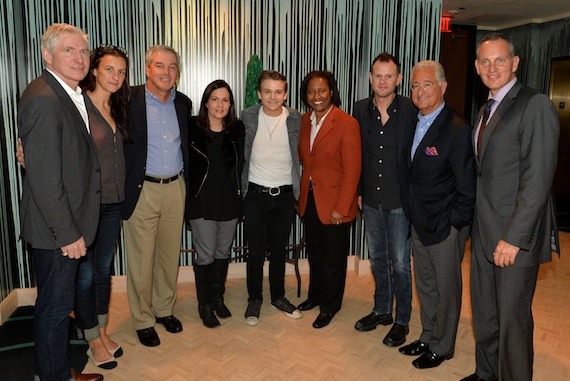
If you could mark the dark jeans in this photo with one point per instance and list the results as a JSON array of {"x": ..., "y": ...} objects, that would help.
[
  {"x": 327, "y": 250},
  {"x": 94, "y": 275},
  {"x": 268, "y": 222},
  {"x": 389, "y": 247},
  {"x": 55, "y": 277}
]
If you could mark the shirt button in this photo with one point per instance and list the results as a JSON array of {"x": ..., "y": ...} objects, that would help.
[
  {"x": 378, "y": 188},
  {"x": 381, "y": 147},
  {"x": 381, "y": 132},
  {"x": 380, "y": 161},
  {"x": 378, "y": 117},
  {"x": 379, "y": 175}
]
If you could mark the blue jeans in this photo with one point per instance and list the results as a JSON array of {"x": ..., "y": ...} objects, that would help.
[
  {"x": 93, "y": 284},
  {"x": 388, "y": 234},
  {"x": 55, "y": 277}
]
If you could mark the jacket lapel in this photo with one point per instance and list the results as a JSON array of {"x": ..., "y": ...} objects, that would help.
[
  {"x": 327, "y": 127},
  {"x": 497, "y": 116},
  {"x": 69, "y": 105},
  {"x": 432, "y": 133}
]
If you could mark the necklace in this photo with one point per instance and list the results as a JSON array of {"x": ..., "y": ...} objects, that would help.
[{"x": 271, "y": 131}]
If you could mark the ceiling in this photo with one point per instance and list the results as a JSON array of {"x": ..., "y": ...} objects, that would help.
[{"x": 501, "y": 14}]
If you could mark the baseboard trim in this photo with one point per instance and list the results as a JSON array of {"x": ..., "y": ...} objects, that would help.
[{"x": 27, "y": 296}]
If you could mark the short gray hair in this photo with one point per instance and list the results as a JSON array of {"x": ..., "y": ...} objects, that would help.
[
  {"x": 54, "y": 32},
  {"x": 161, "y": 48},
  {"x": 439, "y": 72}
]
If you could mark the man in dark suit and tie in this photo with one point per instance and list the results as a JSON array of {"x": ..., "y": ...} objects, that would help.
[
  {"x": 514, "y": 228},
  {"x": 155, "y": 191},
  {"x": 439, "y": 201},
  {"x": 59, "y": 211}
]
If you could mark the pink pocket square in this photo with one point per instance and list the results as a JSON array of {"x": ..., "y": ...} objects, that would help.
[{"x": 431, "y": 151}]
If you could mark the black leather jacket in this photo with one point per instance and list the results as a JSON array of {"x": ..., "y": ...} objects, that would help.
[{"x": 232, "y": 148}]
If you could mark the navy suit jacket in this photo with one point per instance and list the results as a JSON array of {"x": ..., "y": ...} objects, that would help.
[
  {"x": 441, "y": 179},
  {"x": 136, "y": 148}
]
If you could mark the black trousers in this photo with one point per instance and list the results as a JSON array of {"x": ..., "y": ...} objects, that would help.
[
  {"x": 268, "y": 222},
  {"x": 327, "y": 249}
]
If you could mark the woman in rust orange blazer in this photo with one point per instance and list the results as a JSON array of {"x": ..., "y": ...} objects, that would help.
[{"x": 331, "y": 154}]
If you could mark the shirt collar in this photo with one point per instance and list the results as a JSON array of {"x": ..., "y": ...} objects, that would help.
[
  {"x": 314, "y": 117},
  {"x": 66, "y": 87},
  {"x": 502, "y": 92},
  {"x": 150, "y": 97},
  {"x": 429, "y": 118}
]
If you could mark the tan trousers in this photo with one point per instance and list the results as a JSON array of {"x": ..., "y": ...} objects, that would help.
[{"x": 152, "y": 239}]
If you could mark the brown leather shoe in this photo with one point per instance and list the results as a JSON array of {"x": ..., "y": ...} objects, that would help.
[{"x": 86, "y": 376}]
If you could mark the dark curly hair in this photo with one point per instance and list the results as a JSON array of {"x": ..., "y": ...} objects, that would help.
[
  {"x": 327, "y": 76},
  {"x": 202, "y": 119},
  {"x": 119, "y": 101}
]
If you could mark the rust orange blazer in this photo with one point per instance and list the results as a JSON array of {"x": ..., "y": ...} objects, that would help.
[{"x": 334, "y": 165}]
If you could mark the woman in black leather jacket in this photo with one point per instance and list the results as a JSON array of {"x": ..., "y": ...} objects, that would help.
[{"x": 214, "y": 201}]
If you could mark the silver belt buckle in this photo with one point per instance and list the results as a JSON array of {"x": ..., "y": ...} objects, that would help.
[{"x": 274, "y": 191}]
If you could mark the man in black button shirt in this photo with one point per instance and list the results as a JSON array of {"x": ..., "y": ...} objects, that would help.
[{"x": 384, "y": 118}]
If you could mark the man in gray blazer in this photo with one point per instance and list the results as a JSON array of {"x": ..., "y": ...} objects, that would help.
[
  {"x": 61, "y": 191},
  {"x": 514, "y": 228}
]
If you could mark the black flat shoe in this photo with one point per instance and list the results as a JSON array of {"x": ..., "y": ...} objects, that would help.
[
  {"x": 397, "y": 335},
  {"x": 416, "y": 348},
  {"x": 208, "y": 316},
  {"x": 148, "y": 337},
  {"x": 430, "y": 360},
  {"x": 307, "y": 305},
  {"x": 171, "y": 324},
  {"x": 323, "y": 319}
]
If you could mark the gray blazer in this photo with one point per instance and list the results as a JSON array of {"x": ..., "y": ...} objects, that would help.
[
  {"x": 515, "y": 172},
  {"x": 250, "y": 118},
  {"x": 61, "y": 187}
]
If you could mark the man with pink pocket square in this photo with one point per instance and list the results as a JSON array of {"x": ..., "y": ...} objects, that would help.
[{"x": 439, "y": 203}]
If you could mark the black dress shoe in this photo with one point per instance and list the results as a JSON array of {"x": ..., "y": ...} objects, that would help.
[
  {"x": 148, "y": 337},
  {"x": 473, "y": 377},
  {"x": 430, "y": 360},
  {"x": 323, "y": 319},
  {"x": 416, "y": 348},
  {"x": 397, "y": 335},
  {"x": 307, "y": 305},
  {"x": 171, "y": 324},
  {"x": 370, "y": 322}
]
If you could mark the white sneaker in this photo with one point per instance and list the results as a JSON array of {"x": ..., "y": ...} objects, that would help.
[
  {"x": 283, "y": 305},
  {"x": 252, "y": 312}
]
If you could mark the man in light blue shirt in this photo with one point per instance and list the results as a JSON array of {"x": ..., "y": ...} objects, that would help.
[
  {"x": 439, "y": 202},
  {"x": 155, "y": 192}
]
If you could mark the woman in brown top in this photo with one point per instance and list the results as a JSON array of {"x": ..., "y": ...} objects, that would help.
[{"x": 107, "y": 90}]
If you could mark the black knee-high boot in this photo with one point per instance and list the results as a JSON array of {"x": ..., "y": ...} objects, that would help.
[
  {"x": 219, "y": 287},
  {"x": 204, "y": 290}
]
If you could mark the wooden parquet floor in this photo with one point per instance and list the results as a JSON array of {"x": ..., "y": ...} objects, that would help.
[{"x": 280, "y": 348}]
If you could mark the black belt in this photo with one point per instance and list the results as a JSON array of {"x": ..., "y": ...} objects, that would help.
[
  {"x": 159, "y": 180},
  {"x": 272, "y": 191}
]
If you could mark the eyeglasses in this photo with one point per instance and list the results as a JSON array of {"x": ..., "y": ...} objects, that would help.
[
  {"x": 106, "y": 47},
  {"x": 426, "y": 86}
]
